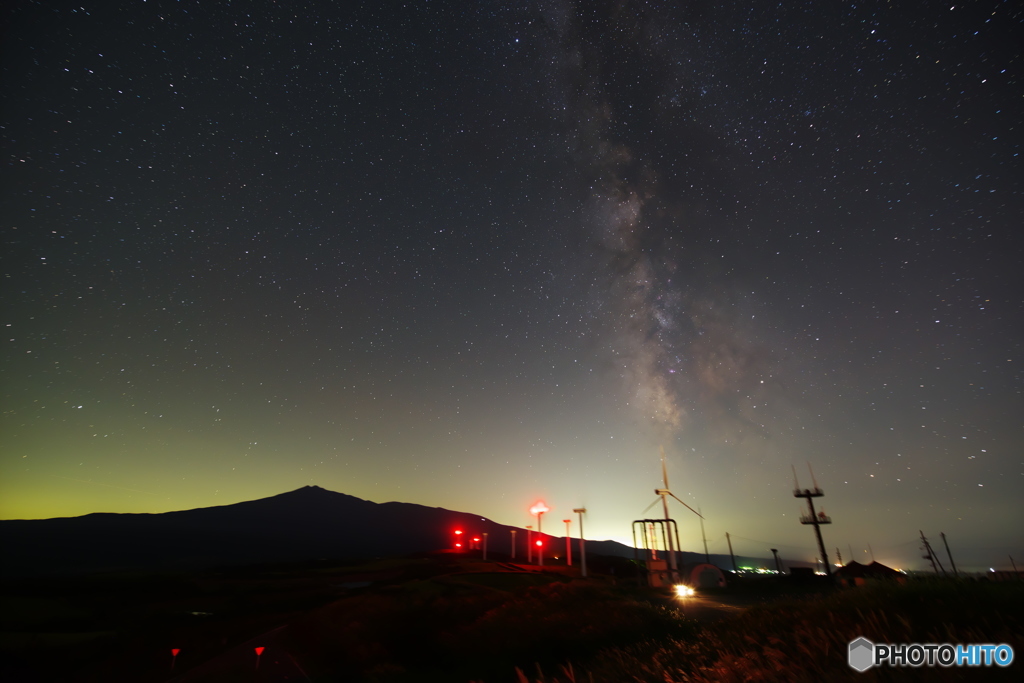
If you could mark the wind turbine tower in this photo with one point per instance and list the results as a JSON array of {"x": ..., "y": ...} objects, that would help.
[{"x": 664, "y": 493}]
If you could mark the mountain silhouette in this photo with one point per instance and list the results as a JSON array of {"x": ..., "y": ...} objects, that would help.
[{"x": 308, "y": 523}]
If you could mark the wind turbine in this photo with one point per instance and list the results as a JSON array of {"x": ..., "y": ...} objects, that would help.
[{"x": 664, "y": 493}]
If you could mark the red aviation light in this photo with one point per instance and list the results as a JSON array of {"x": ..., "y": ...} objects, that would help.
[
  {"x": 540, "y": 543},
  {"x": 539, "y": 508}
]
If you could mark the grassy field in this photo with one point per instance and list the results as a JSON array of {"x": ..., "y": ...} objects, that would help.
[
  {"x": 448, "y": 618},
  {"x": 806, "y": 639}
]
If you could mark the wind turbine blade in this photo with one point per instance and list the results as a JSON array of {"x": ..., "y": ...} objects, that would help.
[
  {"x": 664, "y": 471},
  {"x": 687, "y": 506},
  {"x": 650, "y": 506}
]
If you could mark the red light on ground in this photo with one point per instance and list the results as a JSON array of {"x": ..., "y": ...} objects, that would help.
[
  {"x": 540, "y": 543},
  {"x": 476, "y": 540},
  {"x": 458, "y": 532},
  {"x": 458, "y": 545}
]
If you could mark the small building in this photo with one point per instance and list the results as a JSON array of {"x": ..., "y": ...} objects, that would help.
[
  {"x": 802, "y": 573},
  {"x": 703, "y": 575},
  {"x": 856, "y": 574}
]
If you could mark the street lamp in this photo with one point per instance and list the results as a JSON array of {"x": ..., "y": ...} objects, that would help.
[
  {"x": 513, "y": 543},
  {"x": 539, "y": 508},
  {"x": 583, "y": 548},
  {"x": 529, "y": 545}
]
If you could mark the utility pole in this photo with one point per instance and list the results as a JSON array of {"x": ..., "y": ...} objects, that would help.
[
  {"x": 930, "y": 555},
  {"x": 568, "y": 546},
  {"x": 733, "y": 557},
  {"x": 838, "y": 555},
  {"x": 816, "y": 519},
  {"x": 707, "y": 558},
  {"x": 540, "y": 542},
  {"x": 529, "y": 545},
  {"x": 583, "y": 548},
  {"x": 539, "y": 509},
  {"x": 951, "y": 563},
  {"x": 513, "y": 543},
  {"x": 484, "y": 534},
  {"x": 778, "y": 565}
]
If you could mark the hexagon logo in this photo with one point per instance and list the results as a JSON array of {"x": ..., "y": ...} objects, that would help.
[{"x": 862, "y": 654}]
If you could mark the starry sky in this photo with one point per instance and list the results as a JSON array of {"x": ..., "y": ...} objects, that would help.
[{"x": 475, "y": 254}]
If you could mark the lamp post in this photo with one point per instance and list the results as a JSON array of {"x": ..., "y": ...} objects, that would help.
[
  {"x": 529, "y": 545},
  {"x": 484, "y": 534},
  {"x": 583, "y": 548},
  {"x": 513, "y": 543},
  {"x": 539, "y": 508},
  {"x": 568, "y": 547}
]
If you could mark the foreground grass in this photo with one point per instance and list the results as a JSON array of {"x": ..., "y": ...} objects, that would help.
[
  {"x": 465, "y": 628},
  {"x": 807, "y": 640},
  {"x": 454, "y": 620}
]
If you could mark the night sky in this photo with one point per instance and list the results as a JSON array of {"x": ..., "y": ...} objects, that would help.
[{"x": 473, "y": 254}]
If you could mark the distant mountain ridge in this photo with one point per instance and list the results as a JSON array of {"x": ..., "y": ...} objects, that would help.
[{"x": 307, "y": 523}]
